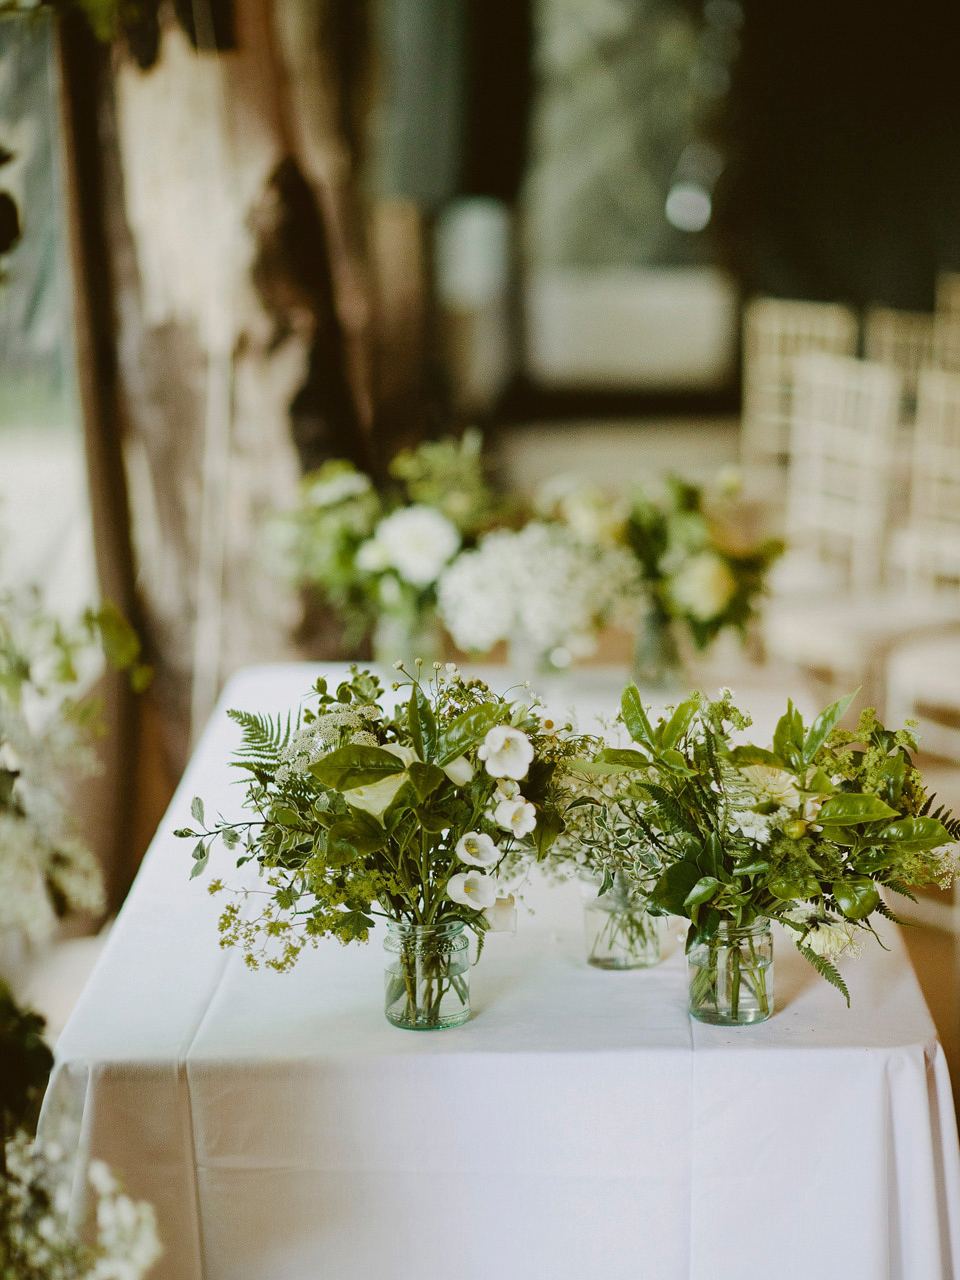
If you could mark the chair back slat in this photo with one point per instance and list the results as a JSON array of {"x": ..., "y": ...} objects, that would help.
[
  {"x": 775, "y": 332},
  {"x": 841, "y": 461}
]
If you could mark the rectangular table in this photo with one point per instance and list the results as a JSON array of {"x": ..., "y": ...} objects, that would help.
[{"x": 579, "y": 1127}]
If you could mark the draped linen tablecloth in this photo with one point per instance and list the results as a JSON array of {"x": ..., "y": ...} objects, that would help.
[{"x": 579, "y": 1127}]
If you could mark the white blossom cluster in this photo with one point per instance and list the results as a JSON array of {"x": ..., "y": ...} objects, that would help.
[
  {"x": 40, "y": 859},
  {"x": 307, "y": 745},
  {"x": 415, "y": 542},
  {"x": 37, "y": 1240},
  {"x": 542, "y": 588}
]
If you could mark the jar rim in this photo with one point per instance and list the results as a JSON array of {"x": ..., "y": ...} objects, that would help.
[
  {"x": 405, "y": 929},
  {"x": 728, "y": 928}
]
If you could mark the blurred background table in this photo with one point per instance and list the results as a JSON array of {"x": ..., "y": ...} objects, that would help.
[{"x": 580, "y": 1125}]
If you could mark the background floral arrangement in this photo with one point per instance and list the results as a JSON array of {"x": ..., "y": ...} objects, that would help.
[
  {"x": 376, "y": 556},
  {"x": 805, "y": 833},
  {"x": 45, "y": 747},
  {"x": 404, "y": 812},
  {"x": 698, "y": 568}
]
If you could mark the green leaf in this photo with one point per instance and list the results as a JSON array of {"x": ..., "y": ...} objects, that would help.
[
  {"x": 742, "y": 756},
  {"x": 425, "y": 778},
  {"x": 679, "y": 722},
  {"x": 825, "y": 970},
  {"x": 285, "y": 816},
  {"x": 788, "y": 735},
  {"x": 702, "y": 891},
  {"x": 675, "y": 761},
  {"x": 825, "y": 722},
  {"x": 549, "y": 826},
  {"x": 670, "y": 891},
  {"x": 196, "y": 810},
  {"x": 624, "y": 755},
  {"x": 201, "y": 856},
  {"x": 423, "y": 724},
  {"x": 846, "y": 810},
  {"x": 705, "y": 928},
  {"x": 751, "y": 868},
  {"x": 468, "y": 730},
  {"x": 350, "y": 767},
  {"x": 856, "y": 896},
  {"x": 914, "y": 834},
  {"x": 354, "y": 837},
  {"x": 635, "y": 717}
]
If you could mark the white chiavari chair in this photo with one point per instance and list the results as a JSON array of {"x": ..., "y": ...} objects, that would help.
[
  {"x": 775, "y": 332},
  {"x": 841, "y": 475},
  {"x": 923, "y": 676}
]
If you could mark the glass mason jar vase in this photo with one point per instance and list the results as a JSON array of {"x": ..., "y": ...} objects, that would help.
[
  {"x": 731, "y": 976},
  {"x": 620, "y": 932},
  {"x": 657, "y": 660},
  {"x": 427, "y": 978}
]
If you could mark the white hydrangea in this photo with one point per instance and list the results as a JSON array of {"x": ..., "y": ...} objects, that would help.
[
  {"x": 541, "y": 588},
  {"x": 417, "y": 541}
]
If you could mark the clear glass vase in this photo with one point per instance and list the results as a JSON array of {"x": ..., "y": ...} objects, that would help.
[
  {"x": 427, "y": 978},
  {"x": 731, "y": 976},
  {"x": 619, "y": 931},
  {"x": 657, "y": 660}
]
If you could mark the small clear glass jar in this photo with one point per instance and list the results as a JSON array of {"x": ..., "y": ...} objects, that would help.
[
  {"x": 731, "y": 976},
  {"x": 619, "y": 931},
  {"x": 427, "y": 977}
]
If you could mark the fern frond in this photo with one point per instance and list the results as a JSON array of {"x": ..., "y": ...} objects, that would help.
[
  {"x": 825, "y": 970},
  {"x": 662, "y": 800},
  {"x": 902, "y": 889},
  {"x": 883, "y": 910},
  {"x": 264, "y": 740}
]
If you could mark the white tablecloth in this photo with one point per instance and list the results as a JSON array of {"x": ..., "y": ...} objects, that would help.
[{"x": 579, "y": 1127}]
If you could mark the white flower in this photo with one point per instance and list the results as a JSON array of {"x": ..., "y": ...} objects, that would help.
[
  {"x": 501, "y": 917},
  {"x": 703, "y": 586},
  {"x": 519, "y": 816},
  {"x": 472, "y": 889},
  {"x": 834, "y": 940},
  {"x": 506, "y": 752},
  {"x": 459, "y": 771},
  {"x": 754, "y": 826},
  {"x": 772, "y": 785},
  {"x": 507, "y": 789},
  {"x": 348, "y": 484},
  {"x": 101, "y": 1178},
  {"x": 417, "y": 541},
  {"x": 372, "y": 557},
  {"x": 477, "y": 850},
  {"x": 376, "y": 797}
]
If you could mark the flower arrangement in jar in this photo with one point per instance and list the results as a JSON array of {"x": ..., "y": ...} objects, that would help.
[{"x": 403, "y": 809}]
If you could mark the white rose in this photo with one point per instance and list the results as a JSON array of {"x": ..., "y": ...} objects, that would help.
[
  {"x": 418, "y": 542},
  {"x": 519, "y": 816},
  {"x": 477, "y": 849},
  {"x": 372, "y": 557},
  {"x": 506, "y": 752},
  {"x": 502, "y": 916},
  {"x": 376, "y": 797},
  {"x": 772, "y": 785},
  {"x": 703, "y": 587},
  {"x": 472, "y": 889},
  {"x": 459, "y": 771}
]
